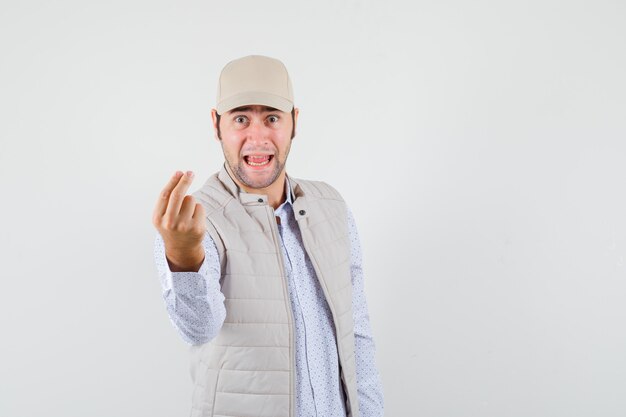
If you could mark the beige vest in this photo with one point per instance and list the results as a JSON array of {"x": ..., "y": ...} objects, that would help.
[{"x": 248, "y": 369}]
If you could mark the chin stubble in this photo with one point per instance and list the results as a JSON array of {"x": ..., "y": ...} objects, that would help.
[{"x": 240, "y": 173}]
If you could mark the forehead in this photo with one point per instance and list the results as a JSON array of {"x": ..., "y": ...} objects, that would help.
[{"x": 254, "y": 109}]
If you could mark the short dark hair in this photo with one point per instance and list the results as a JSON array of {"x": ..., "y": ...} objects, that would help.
[{"x": 293, "y": 124}]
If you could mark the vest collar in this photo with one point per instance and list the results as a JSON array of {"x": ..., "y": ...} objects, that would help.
[
  {"x": 228, "y": 182},
  {"x": 249, "y": 198}
]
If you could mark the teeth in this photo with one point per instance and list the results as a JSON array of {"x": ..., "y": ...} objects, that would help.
[
  {"x": 257, "y": 164},
  {"x": 257, "y": 161}
]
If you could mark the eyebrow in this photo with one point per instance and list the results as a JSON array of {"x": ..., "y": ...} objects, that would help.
[{"x": 248, "y": 108}]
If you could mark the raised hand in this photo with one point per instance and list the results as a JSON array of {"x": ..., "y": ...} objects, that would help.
[{"x": 181, "y": 223}]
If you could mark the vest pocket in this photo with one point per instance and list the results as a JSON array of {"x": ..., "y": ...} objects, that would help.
[{"x": 203, "y": 397}]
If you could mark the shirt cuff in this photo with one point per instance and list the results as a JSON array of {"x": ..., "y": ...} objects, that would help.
[{"x": 188, "y": 283}]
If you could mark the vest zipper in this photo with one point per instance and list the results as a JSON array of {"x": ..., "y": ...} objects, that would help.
[{"x": 292, "y": 342}]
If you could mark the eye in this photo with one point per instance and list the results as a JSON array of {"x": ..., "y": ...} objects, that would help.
[
  {"x": 272, "y": 119},
  {"x": 241, "y": 119}
]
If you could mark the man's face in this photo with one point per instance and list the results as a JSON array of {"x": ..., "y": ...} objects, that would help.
[{"x": 256, "y": 141}]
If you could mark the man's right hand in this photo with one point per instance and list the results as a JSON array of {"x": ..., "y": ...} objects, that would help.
[{"x": 181, "y": 223}]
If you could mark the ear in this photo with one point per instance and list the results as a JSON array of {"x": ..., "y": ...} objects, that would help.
[
  {"x": 214, "y": 120},
  {"x": 296, "y": 111}
]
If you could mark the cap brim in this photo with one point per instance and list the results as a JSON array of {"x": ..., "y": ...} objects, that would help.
[{"x": 250, "y": 98}]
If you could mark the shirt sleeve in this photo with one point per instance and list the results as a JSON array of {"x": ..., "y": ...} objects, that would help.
[
  {"x": 194, "y": 300},
  {"x": 371, "y": 403}
]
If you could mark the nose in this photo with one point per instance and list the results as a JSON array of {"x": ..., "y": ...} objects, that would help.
[{"x": 257, "y": 132}]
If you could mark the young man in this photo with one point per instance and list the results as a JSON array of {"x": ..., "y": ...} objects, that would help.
[{"x": 263, "y": 275}]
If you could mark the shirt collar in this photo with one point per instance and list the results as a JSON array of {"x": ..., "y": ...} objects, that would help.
[{"x": 288, "y": 198}]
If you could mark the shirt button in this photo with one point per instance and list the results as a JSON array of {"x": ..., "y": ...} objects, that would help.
[
  {"x": 302, "y": 212},
  {"x": 260, "y": 200}
]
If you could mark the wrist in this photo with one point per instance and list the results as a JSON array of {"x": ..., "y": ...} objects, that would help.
[{"x": 185, "y": 260}]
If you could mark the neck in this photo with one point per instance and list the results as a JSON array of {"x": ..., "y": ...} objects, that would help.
[{"x": 275, "y": 192}]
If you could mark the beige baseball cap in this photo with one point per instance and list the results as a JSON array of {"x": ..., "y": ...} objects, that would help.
[{"x": 254, "y": 79}]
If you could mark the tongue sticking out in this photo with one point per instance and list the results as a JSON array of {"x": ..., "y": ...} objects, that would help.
[{"x": 257, "y": 160}]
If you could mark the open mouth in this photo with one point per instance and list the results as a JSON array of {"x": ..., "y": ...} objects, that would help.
[{"x": 258, "y": 160}]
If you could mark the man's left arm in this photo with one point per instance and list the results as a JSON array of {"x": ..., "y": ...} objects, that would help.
[{"x": 370, "y": 392}]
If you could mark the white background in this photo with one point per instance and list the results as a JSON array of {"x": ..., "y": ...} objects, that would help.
[{"x": 480, "y": 145}]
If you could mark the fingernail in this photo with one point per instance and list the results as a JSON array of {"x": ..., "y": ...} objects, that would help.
[
  {"x": 190, "y": 174},
  {"x": 177, "y": 174}
]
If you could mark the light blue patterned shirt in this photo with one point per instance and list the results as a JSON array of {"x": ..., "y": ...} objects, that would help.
[{"x": 195, "y": 306}]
